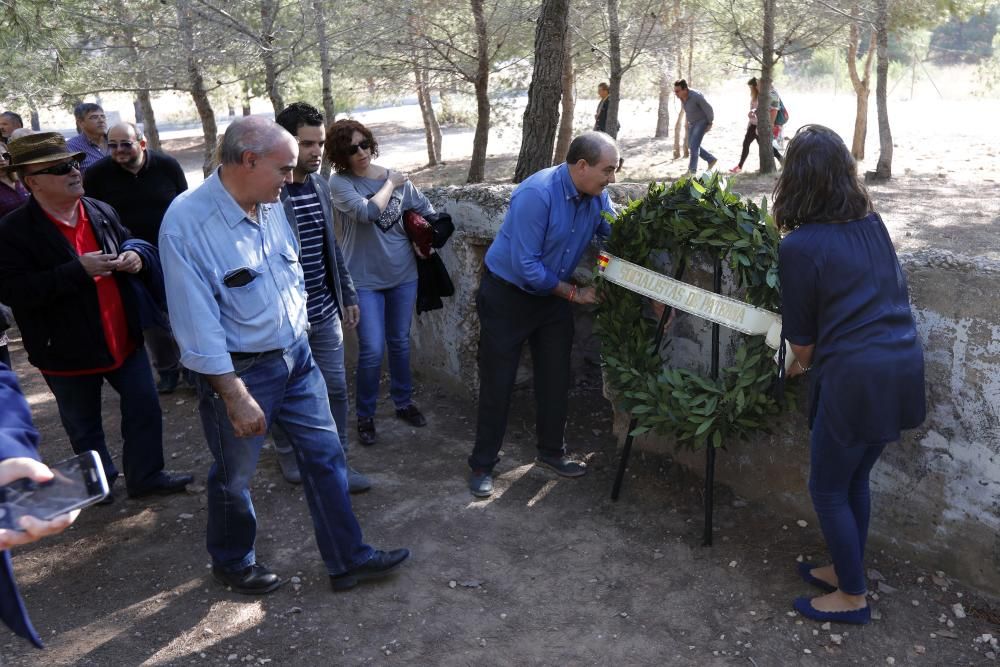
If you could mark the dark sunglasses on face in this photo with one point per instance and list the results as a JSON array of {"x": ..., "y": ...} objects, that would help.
[
  {"x": 58, "y": 170},
  {"x": 115, "y": 145},
  {"x": 5, "y": 157},
  {"x": 366, "y": 145}
]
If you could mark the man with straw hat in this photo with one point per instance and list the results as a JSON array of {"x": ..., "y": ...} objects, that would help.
[{"x": 65, "y": 261}]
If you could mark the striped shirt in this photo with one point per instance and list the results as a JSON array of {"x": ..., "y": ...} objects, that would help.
[{"x": 320, "y": 302}]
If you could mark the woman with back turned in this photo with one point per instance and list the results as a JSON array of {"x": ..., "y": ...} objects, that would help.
[{"x": 846, "y": 312}]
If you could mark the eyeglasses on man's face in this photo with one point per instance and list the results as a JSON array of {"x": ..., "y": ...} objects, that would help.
[
  {"x": 124, "y": 145},
  {"x": 60, "y": 169}
]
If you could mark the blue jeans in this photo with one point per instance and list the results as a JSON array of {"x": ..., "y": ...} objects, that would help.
[
  {"x": 385, "y": 320},
  {"x": 79, "y": 401},
  {"x": 838, "y": 483},
  {"x": 290, "y": 390},
  {"x": 326, "y": 340},
  {"x": 695, "y": 134}
]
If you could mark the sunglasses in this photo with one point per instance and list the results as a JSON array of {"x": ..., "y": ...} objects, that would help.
[
  {"x": 58, "y": 170},
  {"x": 114, "y": 145},
  {"x": 5, "y": 157},
  {"x": 353, "y": 148}
]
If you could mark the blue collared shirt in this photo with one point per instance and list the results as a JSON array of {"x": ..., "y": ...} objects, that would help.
[
  {"x": 81, "y": 144},
  {"x": 205, "y": 238},
  {"x": 547, "y": 228}
]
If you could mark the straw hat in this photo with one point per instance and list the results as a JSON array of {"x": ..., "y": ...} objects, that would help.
[{"x": 39, "y": 147}]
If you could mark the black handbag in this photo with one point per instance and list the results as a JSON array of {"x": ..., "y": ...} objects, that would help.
[{"x": 443, "y": 228}]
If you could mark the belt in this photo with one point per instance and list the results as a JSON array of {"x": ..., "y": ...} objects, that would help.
[
  {"x": 502, "y": 281},
  {"x": 246, "y": 356}
]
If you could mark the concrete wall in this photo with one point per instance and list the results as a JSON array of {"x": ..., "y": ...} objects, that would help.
[{"x": 937, "y": 493}]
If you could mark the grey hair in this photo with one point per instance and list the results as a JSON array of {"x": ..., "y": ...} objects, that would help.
[
  {"x": 136, "y": 132},
  {"x": 589, "y": 146},
  {"x": 255, "y": 134}
]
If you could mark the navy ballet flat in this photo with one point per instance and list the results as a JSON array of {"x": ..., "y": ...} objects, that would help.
[
  {"x": 805, "y": 571},
  {"x": 861, "y": 616}
]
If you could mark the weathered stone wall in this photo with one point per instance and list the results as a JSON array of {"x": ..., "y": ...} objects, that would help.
[{"x": 937, "y": 493}]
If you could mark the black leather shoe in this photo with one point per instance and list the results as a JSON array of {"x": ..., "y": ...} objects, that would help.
[
  {"x": 563, "y": 466},
  {"x": 366, "y": 431},
  {"x": 166, "y": 485},
  {"x": 411, "y": 415},
  {"x": 253, "y": 580},
  {"x": 380, "y": 564}
]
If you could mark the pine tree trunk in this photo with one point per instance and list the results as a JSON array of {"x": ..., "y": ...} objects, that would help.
[
  {"x": 615, "y": 75},
  {"x": 196, "y": 85},
  {"x": 268, "y": 16},
  {"x": 148, "y": 120},
  {"x": 36, "y": 124},
  {"x": 323, "y": 45},
  {"x": 246, "y": 98},
  {"x": 663, "y": 107},
  {"x": 883, "y": 170},
  {"x": 565, "y": 135},
  {"x": 480, "y": 141},
  {"x": 764, "y": 133},
  {"x": 427, "y": 113},
  {"x": 862, "y": 85},
  {"x": 541, "y": 115}
]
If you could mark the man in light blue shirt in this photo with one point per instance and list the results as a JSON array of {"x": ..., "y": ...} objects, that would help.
[
  {"x": 238, "y": 309},
  {"x": 525, "y": 295}
]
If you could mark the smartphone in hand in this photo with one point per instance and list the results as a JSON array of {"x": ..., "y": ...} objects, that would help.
[{"x": 78, "y": 482}]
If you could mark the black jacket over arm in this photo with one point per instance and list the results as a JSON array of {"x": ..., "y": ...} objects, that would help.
[{"x": 54, "y": 301}]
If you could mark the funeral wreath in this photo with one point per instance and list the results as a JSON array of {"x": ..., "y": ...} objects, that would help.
[{"x": 693, "y": 216}]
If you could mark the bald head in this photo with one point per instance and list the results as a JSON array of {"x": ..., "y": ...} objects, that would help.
[
  {"x": 590, "y": 146},
  {"x": 127, "y": 146},
  {"x": 254, "y": 134}
]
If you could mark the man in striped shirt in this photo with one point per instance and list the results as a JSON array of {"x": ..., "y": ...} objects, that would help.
[{"x": 331, "y": 302}]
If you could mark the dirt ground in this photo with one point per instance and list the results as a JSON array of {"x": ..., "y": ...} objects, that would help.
[{"x": 547, "y": 572}]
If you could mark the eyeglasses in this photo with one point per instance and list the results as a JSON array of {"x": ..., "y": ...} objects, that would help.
[
  {"x": 115, "y": 145},
  {"x": 5, "y": 157},
  {"x": 58, "y": 170},
  {"x": 366, "y": 145}
]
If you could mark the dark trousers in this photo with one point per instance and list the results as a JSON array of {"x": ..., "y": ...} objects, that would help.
[
  {"x": 79, "y": 401},
  {"x": 838, "y": 484},
  {"x": 749, "y": 138},
  {"x": 508, "y": 317}
]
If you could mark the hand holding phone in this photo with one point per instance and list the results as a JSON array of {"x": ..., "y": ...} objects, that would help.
[{"x": 37, "y": 500}]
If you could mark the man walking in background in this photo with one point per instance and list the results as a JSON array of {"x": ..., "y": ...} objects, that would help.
[
  {"x": 140, "y": 184},
  {"x": 331, "y": 301},
  {"x": 699, "y": 121}
]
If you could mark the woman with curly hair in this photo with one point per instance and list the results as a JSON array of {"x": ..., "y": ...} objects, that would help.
[
  {"x": 370, "y": 201},
  {"x": 846, "y": 312}
]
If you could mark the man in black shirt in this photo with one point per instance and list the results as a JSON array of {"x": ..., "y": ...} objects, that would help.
[{"x": 140, "y": 184}]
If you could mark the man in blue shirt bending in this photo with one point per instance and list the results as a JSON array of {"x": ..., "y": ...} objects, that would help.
[
  {"x": 235, "y": 289},
  {"x": 525, "y": 295}
]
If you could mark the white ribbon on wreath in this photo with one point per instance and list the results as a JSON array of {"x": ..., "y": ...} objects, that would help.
[{"x": 723, "y": 310}]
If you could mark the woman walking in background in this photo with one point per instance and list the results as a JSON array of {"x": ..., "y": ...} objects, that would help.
[
  {"x": 370, "y": 201},
  {"x": 751, "y": 133},
  {"x": 846, "y": 312}
]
